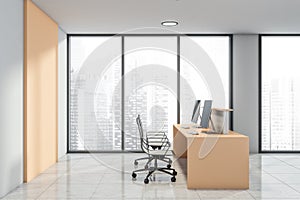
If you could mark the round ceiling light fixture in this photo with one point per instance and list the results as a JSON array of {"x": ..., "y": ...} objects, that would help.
[{"x": 169, "y": 23}]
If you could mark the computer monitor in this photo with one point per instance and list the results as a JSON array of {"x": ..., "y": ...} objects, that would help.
[
  {"x": 196, "y": 111},
  {"x": 206, "y": 114}
]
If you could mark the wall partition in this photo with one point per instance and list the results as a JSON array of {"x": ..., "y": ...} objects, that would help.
[
  {"x": 40, "y": 91},
  {"x": 280, "y": 93},
  {"x": 113, "y": 78}
]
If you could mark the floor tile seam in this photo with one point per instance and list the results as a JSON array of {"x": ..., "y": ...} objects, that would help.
[
  {"x": 77, "y": 160},
  {"x": 98, "y": 184},
  {"x": 64, "y": 170},
  {"x": 293, "y": 188},
  {"x": 38, "y": 197},
  {"x": 198, "y": 195},
  {"x": 270, "y": 174},
  {"x": 282, "y": 173},
  {"x": 288, "y": 163},
  {"x": 72, "y": 166},
  {"x": 283, "y": 182},
  {"x": 271, "y": 164},
  {"x": 265, "y": 171},
  {"x": 251, "y": 194}
]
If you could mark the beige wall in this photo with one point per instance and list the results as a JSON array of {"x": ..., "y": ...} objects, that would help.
[{"x": 40, "y": 91}]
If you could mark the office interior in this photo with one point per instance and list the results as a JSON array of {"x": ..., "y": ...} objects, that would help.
[{"x": 107, "y": 99}]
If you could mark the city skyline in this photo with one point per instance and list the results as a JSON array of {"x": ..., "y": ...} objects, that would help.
[{"x": 96, "y": 113}]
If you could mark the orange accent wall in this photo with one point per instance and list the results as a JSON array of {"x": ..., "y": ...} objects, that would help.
[{"x": 40, "y": 91}]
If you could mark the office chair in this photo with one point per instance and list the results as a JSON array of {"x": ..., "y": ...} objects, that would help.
[
  {"x": 154, "y": 141},
  {"x": 156, "y": 148}
]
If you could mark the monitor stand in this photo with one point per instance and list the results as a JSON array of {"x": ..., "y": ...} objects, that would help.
[
  {"x": 185, "y": 126},
  {"x": 210, "y": 132},
  {"x": 196, "y": 126}
]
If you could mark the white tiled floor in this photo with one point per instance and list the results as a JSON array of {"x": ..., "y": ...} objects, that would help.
[{"x": 108, "y": 176}]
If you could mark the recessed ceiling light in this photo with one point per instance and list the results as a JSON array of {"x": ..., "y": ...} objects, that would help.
[{"x": 169, "y": 23}]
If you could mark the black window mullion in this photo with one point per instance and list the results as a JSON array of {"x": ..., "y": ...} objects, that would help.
[
  {"x": 178, "y": 79},
  {"x": 122, "y": 95}
]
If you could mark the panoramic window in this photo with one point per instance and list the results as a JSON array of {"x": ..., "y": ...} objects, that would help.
[
  {"x": 113, "y": 79},
  {"x": 94, "y": 94},
  {"x": 150, "y": 77},
  {"x": 204, "y": 72},
  {"x": 280, "y": 93}
]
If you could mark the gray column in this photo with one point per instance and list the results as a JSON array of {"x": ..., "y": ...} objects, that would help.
[{"x": 245, "y": 87}]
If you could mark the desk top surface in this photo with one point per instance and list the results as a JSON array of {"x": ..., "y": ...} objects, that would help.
[{"x": 202, "y": 132}]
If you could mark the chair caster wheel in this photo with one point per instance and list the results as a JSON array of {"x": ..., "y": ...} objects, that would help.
[
  {"x": 133, "y": 175},
  {"x": 135, "y": 163},
  {"x": 174, "y": 173},
  {"x": 168, "y": 166},
  {"x": 173, "y": 179},
  {"x": 146, "y": 181}
]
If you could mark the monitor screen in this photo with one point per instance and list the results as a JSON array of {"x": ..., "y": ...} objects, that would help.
[
  {"x": 196, "y": 111},
  {"x": 206, "y": 114}
]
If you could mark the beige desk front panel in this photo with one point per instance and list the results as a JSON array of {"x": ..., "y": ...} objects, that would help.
[
  {"x": 179, "y": 143},
  {"x": 214, "y": 161}
]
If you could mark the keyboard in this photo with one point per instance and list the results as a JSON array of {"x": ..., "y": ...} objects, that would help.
[
  {"x": 193, "y": 132},
  {"x": 184, "y": 127},
  {"x": 210, "y": 132},
  {"x": 197, "y": 126}
]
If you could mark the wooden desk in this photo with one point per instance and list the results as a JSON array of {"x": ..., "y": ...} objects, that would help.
[{"x": 214, "y": 161}]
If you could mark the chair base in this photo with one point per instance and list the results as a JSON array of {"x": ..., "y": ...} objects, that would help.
[
  {"x": 167, "y": 170},
  {"x": 163, "y": 159}
]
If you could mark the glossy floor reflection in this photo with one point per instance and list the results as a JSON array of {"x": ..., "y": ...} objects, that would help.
[{"x": 108, "y": 176}]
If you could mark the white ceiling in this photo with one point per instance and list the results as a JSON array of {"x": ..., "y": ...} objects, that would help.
[{"x": 194, "y": 16}]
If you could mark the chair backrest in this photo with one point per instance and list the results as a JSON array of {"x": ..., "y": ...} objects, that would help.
[{"x": 144, "y": 142}]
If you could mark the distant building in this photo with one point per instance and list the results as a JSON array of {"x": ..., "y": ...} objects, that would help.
[{"x": 281, "y": 114}]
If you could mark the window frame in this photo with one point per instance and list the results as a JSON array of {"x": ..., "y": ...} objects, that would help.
[
  {"x": 260, "y": 150},
  {"x": 230, "y": 45}
]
